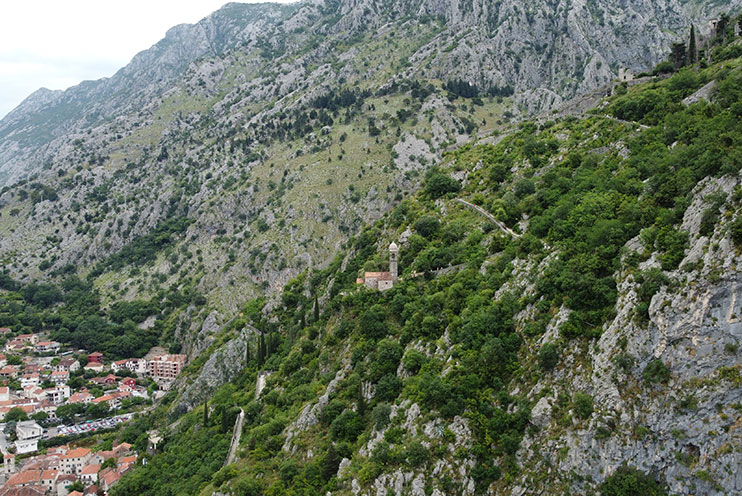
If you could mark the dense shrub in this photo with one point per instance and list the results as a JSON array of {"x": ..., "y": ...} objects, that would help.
[
  {"x": 628, "y": 481},
  {"x": 548, "y": 356},
  {"x": 656, "y": 371},
  {"x": 583, "y": 405}
]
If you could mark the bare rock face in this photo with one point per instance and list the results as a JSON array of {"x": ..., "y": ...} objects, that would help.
[
  {"x": 224, "y": 365},
  {"x": 681, "y": 424}
]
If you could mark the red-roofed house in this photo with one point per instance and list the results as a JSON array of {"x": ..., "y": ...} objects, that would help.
[
  {"x": 74, "y": 460},
  {"x": 4, "y": 393},
  {"x": 49, "y": 479},
  {"x": 81, "y": 397},
  {"x": 22, "y": 491},
  {"x": 96, "y": 356},
  {"x": 108, "y": 478},
  {"x": 60, "y": 377},
  {"x": 46, "y": 346},
  {"x": 90, "y": 474},
  {"x": 25, "y": 478}
]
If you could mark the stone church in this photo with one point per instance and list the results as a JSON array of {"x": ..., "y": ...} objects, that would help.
[{"x": 382, "y": 281}]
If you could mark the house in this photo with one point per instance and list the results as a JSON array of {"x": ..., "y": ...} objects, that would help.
[
  {"x": 382, "y": 281},
  {"x": 166, "y": 366},
  {"x": 28, "y": 433},
  {"x": 5, "y": 330},
  {"x": 25, "y": 478},
  {"x": 94, "y": 366},
  {"x": 96, "y": 356},
  {"x": 136, "y": 365},
  {"x": 30, "y": 380},
  {"x": 9, "y": 371},
  {"x": 122, "y": 449},
  {"x": 31, "y": 339},
  {"x": 22, "y": 491},
  {"x": 74, "y": 461},
  {"x": 3, "y": 360},
  {"x": 100, "y": 457},
  {"x": 64, "y": 481},
  {"x": 90, "y": 474},
  {"x": 129, "y": 382},
  {"x": 49, "y": 479},
  {"x": 4, "y": 393},
  {"x": 58, "y": 394},
  {"x": 46, "y": 346},
  {"x": 60, "y": 377},
  {"x": 108, "y": 478},
  {"x": 16, "y": 346},
  {"x": 47, "y": 407},
  {"x": 67, "y": 365},
  {"x": 81, "y": 397},
  {"x": 108, "y": 380},
  {"x": 33, "y": 393},
  {"x": 113, "y": 399}
]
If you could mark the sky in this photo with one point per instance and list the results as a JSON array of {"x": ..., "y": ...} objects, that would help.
[{"x": 56, "y": 44}]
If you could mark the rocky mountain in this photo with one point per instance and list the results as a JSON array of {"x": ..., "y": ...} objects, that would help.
[
  {"x": 566, "y": 322},
  {"x": 567, "y": 315},
  {"x": 278, "y": 129}
]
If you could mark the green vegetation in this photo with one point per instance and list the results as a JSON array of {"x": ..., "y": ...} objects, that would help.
[{"x": 627, "y": 481}]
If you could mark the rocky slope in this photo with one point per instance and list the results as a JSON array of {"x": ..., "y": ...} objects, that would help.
[
  {"x": 591, "y": 345},
  {"x": 278, "y": 130}
]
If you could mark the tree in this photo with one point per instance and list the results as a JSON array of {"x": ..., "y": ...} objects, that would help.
[
  {"x": 692, "y": 50},
  {"x": 678, "y": 55},
  {"x": 628, "y": 481},
  {"x": 548, "y": 356},
  {"x": 439, "y": 184},
  {"x": 330, "y": 464},
  {"x": 15, "y": 414}
]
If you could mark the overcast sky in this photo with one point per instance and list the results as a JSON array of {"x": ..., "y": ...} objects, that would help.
[{"x": 56, "y": 44}]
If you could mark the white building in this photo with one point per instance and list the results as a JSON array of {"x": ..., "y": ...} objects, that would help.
[{"x": 28, "y": 433}]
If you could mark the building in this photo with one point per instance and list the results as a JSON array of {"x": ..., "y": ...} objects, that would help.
[
  {"x": 96, "y": 356},
  {"x": 28, "y": 433},
  {"x": 135, "y": 365},
  {"x": 46, "y": 346},
  {"x": 49, "y": 479},
  {"x": 67, "y": 365},
  {"x": 625, "y": 75},
  {"x": 166, "y": 366},
  {"x": 30, "y": 380},
  {"x": 381, "y": 281},
  {"x": 90, "y": 474},
  {"x": 25, "y": 479},
  {"x": 9, "y": 372},
  {"x": 32, "y": 339},
  {"x": 4, "y": 393},
  {"x": 9, "y": 463},
  {"x": 94, "y": 366},
  {"x": 113, "y": 399},
  {"x": 81, "y": 397},
  {"x": 57, "y": 395},
  {"x": 74, "y": 460},
  {"x": 60, "y": 377}
]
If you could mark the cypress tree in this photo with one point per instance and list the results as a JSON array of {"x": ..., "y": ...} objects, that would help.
[
  {"x": 316, "y": 309},
  {"x": 692, "y": 50},
  {"x": 330, "y": 464},
  {"x": 261, "y": 350},
  {"x": 206, "y": 413}
]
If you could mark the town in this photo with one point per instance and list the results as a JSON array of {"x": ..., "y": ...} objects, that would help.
[{"x": 48, "y": 392}]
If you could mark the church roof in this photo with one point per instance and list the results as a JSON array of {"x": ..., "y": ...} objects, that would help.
[{"x": 393, "y": 247}]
